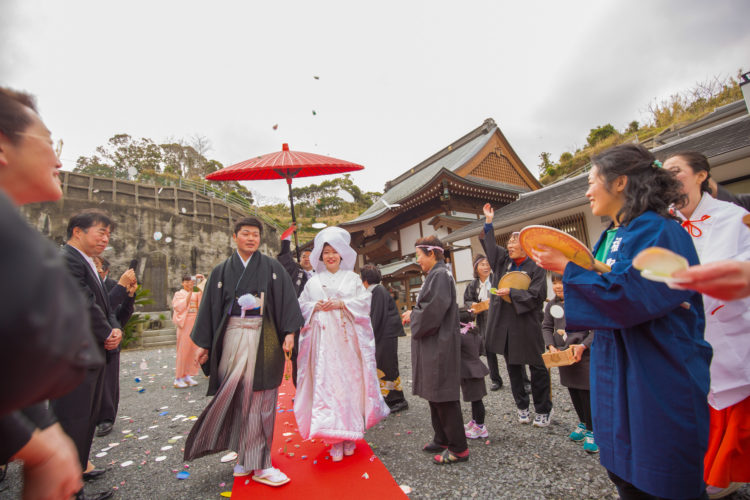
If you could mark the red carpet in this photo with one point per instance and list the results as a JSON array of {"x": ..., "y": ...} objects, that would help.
[{"x": 313, "y": 475}]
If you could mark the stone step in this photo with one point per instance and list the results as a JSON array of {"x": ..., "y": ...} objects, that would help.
[
  {"x": 164, "y": 343},
  {"x": 161, "y": 332}
]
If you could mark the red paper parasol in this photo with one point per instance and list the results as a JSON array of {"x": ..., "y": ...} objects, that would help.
[{"x": 284, "y": 164}]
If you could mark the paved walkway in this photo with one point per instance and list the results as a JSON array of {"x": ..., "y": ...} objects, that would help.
[{"x": 518, "y": 462}]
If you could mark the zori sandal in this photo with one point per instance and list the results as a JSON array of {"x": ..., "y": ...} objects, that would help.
[
  {"x": 447, "y": 457},
  {"x": 271, "y": 477}
]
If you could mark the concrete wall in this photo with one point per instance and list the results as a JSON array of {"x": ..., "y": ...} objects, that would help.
[{"x": 196, "y": 230}]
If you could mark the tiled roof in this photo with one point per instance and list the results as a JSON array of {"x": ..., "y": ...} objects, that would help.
[
  {"x": 412, "y": 183},
  {"x": 723, "y": 138},
  {"x": 536, "y": 203}
]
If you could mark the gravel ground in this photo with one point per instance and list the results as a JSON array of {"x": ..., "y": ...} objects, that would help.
[{"x": 516, "y": 461}]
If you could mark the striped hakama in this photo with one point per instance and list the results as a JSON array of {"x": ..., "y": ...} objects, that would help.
[{"x": 237, "y": 418}]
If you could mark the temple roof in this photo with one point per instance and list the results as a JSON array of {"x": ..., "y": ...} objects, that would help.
[{"x": 450, "y": 158}]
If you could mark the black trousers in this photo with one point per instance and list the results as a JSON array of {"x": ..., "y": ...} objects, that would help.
[
  {"x": 448, "y": 424},
  {"x": 540, "y": 387},
  {"x": 111, "y": 392},
  {"x": 77, "y": 412},
  {"x": 494, "y": 369},
  {"x": 629, "y": 492},
  {"x": 581, "y": 399}
]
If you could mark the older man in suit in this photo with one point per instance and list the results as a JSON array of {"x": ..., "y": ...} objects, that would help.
[{"x": 88, "y": 236}]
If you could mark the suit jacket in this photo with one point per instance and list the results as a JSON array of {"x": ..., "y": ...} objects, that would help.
[{"x": 100, "y": 312}]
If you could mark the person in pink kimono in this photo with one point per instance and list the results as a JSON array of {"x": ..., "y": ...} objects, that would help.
[
  {"x": 184, "y": 311},
  {"x": 338, "y": 393}
]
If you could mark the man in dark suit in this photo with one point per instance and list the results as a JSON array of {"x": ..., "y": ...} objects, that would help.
[
  {"x": 88, "y": 236},
  {"x": 122, "y": 301}
]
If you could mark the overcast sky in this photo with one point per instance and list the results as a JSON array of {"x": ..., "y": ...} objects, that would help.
[{"x": 398, "y": 80}]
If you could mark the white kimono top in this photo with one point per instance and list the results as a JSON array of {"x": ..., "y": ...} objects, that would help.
[{"x": 719, "y": 234}]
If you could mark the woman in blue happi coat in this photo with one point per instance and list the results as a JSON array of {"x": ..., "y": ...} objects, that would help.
[{"x": 649, "y": 362}]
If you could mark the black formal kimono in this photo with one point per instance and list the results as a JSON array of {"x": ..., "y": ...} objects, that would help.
[
  {"x": 387, "y": 328},
  {"x": 46, "y": 345},
  {"x": 514, "y": 329},
  {"x": 241, "y": 417},
  {"x": 79, "y": 410},
  {"x": 436, "y": 356},
  {"x": 227, "y": 282}
]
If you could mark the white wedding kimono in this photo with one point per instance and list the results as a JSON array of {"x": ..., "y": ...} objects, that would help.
[
  {"x": 338, "y": 392},
  {"x": 719, "y": 234}
]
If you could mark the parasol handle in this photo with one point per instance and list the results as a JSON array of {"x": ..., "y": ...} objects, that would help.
[
  {"x": 601, "y": 267},
  {"x": 294, "y": 219}
]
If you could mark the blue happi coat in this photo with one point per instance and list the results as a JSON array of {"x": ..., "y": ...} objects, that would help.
[{"x": 649, "y": 363}]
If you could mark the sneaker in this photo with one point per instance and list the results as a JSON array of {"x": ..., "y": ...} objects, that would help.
[
  {"x": 337, "y": 452},
  {"x": 349, "y": 447},
  {"x": 523, "y": 416},
  {"x": 542, "y": 419},
  {"x": 578, "y": 433},
  {"x": 716, "y": 492},
  {"x": 179, "y": 383},
  {"x": 189, "y": 380},
  {"x": 271, "y": 476},
  {"x": 478, "y": 431},
  {"x": 240, "y": 470},
  {"x": 469, "y": 425},
  {"x": 588, "y": 443}
]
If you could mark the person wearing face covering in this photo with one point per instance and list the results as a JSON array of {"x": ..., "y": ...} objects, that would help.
[{"x": 338, "y": 393}]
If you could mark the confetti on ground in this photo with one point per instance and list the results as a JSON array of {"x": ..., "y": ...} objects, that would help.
[
  {"x": 143, "y": 437},
  {"x": 165, "y": 448},
  {"x": 291, "y": 454},
  {"x": 226, "y": 494},
  {"x": 229, "y": 457},
  {"x": 288, "y": 434},
  {"x": 160, "y": 458},
  {"x": 144, "y": 365},
  {"x": 315, "y": 462},
  {"x": 163, "y": 413},
  {"x": 112, "y": 445},
  {"x": 129, "y": 435},
  {"x": 101, "y": 454},
  {"x": 487, "y": 442},
  {"x": 141, "y": 390},
  {"x": 153, "y": 427},
  {"x": 137, "y": 379},
  {"x": 221, "y": 485},
  {"x": 405, "y": 489},
  {"x": 183, "y": 474},
  {"x": 127, "y": 432},
  {"x": 365, "y": 476},
  {"x": 164, "y": 408},
  {"x": 126, "y": 463},
  {"x": 372, "y": 458},
  {"x": 177, "y": 437}
]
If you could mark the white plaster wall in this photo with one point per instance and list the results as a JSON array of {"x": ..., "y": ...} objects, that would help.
[{"x": 409, "y": 236}]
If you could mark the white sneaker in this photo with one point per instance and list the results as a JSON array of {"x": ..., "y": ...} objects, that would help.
[
  {"x": 524, "y": 416},
  {"x": 271, "y": 476},
  {"x": 542, "y": 419},
  {"x": 190, "y": 381},
  {"x": 478, "y": 431},
  {"x": 240, "y": 470},
  {"x": 179, "y": 383}
]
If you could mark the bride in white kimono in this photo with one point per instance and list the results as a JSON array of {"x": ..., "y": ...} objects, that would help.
[{"x": 338, "y": 393}]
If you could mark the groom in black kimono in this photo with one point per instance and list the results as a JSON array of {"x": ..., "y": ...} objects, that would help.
[{"x": 242, "y": 351}]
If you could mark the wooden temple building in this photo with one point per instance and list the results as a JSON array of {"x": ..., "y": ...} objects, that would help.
[{"x": 442, "y": 194}]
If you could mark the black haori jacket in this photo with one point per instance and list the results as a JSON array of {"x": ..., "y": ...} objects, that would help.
[
  {"x": 281, "y": 315},
  {"x": 518, "y": 324}
]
